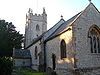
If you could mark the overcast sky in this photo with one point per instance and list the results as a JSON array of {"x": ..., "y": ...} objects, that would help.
[{"x": 15, "y": 10}]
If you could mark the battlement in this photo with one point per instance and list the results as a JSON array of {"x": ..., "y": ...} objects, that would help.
[
  {"x": 36, "y": 17},
  {"x": 30, "y": 11},
  {"x": 36, "y": 24}
]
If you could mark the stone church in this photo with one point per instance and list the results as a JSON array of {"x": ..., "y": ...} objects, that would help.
[{"x": 71, "y": 46}]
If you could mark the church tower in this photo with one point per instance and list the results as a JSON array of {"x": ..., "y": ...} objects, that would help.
[{"x": 36, "y": 25}]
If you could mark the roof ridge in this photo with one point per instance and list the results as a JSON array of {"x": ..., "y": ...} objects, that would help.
[
  {"x": 55, "y": 25},
  {"x": 66, "y": 22},
  {"x": 84, "y": 11}
]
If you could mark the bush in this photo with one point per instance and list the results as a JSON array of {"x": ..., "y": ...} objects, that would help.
[{"x": 5, "y": 66}]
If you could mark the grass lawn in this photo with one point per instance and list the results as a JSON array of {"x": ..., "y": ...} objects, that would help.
[{"x": 27, "y": 71}]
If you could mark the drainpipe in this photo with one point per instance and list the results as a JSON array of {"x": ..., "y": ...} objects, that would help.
[{"x": 45, "y": 64}]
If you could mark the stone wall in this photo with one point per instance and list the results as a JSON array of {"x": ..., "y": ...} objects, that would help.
[
  {"x": 35, "y": 62},
  {"x": 85, "y": 58},
  {"x": 32, "y": 21},
  {"x": 22, "y": 62},
  {"x": 53, "y": 47}
]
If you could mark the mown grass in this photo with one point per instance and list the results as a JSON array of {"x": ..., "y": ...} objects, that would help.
[{"x": 28, "y": 71}]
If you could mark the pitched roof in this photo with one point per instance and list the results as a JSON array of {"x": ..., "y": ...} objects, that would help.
[
  {"x": 48, "y": 33},
  {"x": 21, "y": 53},
  {"x": 35, "y": 40},
  {"x": 63, "y": 27},
  {"x": 53, "y": 29},
  {"x": 60, "y": 26}
]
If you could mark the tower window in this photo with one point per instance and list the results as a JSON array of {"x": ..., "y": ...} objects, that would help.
[
  {"x": 63, "y": 49},
  {"x": 37, "y": 28}
]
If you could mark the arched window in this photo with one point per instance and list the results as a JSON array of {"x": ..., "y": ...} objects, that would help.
[
  {"x": 98, "y": 40},
  {"x": 63, "y": 49},
  {"x": 91, "y": 43},
  {"x": 35, "y": 52},
  {"x": 37, "y": 27},
  {"x": 94, "y": 46},
  {"x": 94, "y": 35}
]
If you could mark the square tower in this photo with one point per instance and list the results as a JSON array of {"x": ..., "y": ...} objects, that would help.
[{"x": 36, "y": 25}]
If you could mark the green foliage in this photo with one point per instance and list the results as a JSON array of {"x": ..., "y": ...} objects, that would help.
[
  {"x": 5, "y": 66},
  {"x": 9, "y": 38},
  {"x": 27, "y": 71}
]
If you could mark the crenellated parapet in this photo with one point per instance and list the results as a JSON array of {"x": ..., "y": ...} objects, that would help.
[{"x": 36, "y": 24}]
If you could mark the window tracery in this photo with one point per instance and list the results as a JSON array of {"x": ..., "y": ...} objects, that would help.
[{"x": 94, "y": 35}]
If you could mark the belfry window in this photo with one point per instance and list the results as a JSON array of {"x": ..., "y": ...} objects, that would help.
[
  {"x": 35, "y": 52},
  {"x": 37, "y": 28},
  {"x": 94, "y": 35},
  {"x": 63, "y": 49}
]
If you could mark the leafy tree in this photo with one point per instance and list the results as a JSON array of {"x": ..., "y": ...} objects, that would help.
[
  {"x": 6, "y": 66},
  {"x": 9, "y": 38}
]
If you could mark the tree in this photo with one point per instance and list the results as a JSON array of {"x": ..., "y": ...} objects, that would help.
[
  {"x": 6, "y": 66},
  {"x": 9, "y": 38}
]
